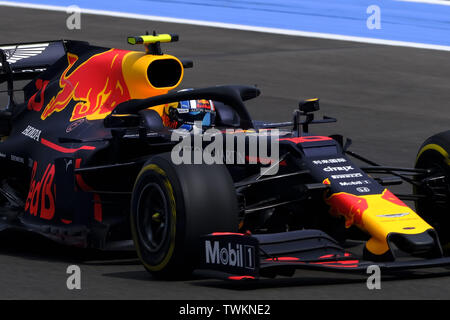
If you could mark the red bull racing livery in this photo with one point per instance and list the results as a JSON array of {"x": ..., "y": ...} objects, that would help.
[{"x": 91, "y": 158}]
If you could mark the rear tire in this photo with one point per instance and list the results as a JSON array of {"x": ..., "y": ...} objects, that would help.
[
  {"x": 173, "y": 206},
  {"x": 434, "y": 154}
]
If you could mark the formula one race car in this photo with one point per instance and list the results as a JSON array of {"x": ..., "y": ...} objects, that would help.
[{"x": 103, "y": 151}]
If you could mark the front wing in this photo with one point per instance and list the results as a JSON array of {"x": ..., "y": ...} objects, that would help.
[{"x": 239, "y": 256}]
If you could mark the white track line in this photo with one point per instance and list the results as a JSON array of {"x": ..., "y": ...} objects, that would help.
[
  {"x": 438, "y": 2},
  {"x": 287, "y": 32}
]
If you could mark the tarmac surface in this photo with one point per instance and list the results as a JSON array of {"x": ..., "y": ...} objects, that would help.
[{"x": 387, "y": 99}]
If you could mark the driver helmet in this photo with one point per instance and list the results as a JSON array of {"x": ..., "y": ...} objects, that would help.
[{"x": 185, "y": 114}]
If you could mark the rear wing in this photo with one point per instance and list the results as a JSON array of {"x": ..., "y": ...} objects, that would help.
[{"x": 27, "y": 60}]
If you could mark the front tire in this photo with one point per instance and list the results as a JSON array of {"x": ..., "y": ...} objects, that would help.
[
  {"x": 173, "y": 206},
  {"x": 434, "y": 155}
]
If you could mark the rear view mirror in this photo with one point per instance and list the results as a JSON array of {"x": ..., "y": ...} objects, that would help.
[{"x": 309, "y": 105}]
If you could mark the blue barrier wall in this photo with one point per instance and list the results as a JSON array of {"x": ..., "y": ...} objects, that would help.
[{"x": 400, "y": 21}]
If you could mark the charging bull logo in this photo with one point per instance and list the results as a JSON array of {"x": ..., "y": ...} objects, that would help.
[
  {"x": 96, "y": 85},
  {"x": 354, "y": 207},
  {"x": 350, "y": 206},
  {"x": 36, "y": 101}
]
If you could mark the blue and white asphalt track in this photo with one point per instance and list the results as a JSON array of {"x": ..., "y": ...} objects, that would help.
[{"x": 416, "y": 23}]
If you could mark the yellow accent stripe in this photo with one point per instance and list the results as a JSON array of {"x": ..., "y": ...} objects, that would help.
[
  {"x": 437, "y": 148},
  {"x": 169, "y": 254}
]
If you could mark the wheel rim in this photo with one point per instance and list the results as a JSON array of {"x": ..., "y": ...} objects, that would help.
[{"x": 152, "y": 217}]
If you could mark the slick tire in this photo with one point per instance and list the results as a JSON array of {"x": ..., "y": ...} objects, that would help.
[
  {"x": 434, "y": 154},
  {"x": 172, "y": 206}
]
